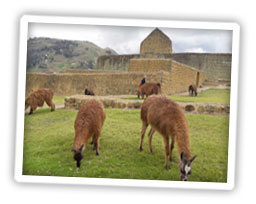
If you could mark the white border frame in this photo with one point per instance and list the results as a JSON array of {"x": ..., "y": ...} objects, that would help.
[{"x": 26, "y": 19}]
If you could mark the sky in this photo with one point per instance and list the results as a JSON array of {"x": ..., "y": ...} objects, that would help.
[{"x": 127, "y": 39}]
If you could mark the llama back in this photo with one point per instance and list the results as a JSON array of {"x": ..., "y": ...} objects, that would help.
[
  {"x": 37, "y": 98},
  {"x": 89, "y": 121},
  {"x": 167, "y": 117},
  {"x": 150, "y": 88}
]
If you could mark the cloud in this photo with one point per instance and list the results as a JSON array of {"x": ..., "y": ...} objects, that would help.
[
  {"x": 127, "y": 39},
  {"x": 196, "y": 50}
]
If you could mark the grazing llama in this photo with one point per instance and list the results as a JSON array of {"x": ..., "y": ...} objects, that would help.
[
  {"x": 167, "y": 118},
  {"x": 37, "y": 98},
  {"x": 192, "y": 90},
  {"x": 88, "y": 92},
  {"x": 88, "y": 124},
  {"x": 149, "y": 89}
]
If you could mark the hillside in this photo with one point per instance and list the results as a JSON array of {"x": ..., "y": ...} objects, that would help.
[{"x": 55, "y": 55}]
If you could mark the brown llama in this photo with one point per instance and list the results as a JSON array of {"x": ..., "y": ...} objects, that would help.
[
  {"x": 88, "y": 124},
  {"x": 192, "y": 90},
  {"x": 149, "y": 89},
  {"x": 37, "y": 98},
  {"x": 167, "y": 118},
  {"x": 88, "y": 92}
]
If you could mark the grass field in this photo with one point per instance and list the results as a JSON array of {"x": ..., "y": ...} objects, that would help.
[
  {"x": 49, "y": 137},
  {"x": 58, "y": 100},
  {"x": 210, "y": 95}
]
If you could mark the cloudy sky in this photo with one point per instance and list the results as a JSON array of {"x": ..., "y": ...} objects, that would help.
[{"x": 126, "y": 40}]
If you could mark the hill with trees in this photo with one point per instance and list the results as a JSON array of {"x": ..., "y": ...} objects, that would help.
[{"x": 55, "y": 55}]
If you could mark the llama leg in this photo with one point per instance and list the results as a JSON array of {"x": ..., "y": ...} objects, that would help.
[
  {"x": 96, "y": 139},
  {"x": 92, "y": 140},
  {"x": 143, "y": 130},
  {"x": 53, "y": 107},
  {"x": 166, "y": 148},
  {"x": 172, "y": 146},
  {"x": 31, "y": 111},
  {"x": 97, "y": 146},
  {"x": 26, "y": 106},
  {"x": 138, "y": 94},
  {"x": 50, "y": 104},
  {"x": 150, "y": 134},
  {"x": 32, "y": 108}
]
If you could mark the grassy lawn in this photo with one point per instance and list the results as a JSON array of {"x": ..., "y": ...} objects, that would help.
[
  {"x": 58, "y": 100},
  {"x": 210, "y": 95},
  {"x": 49, "y": 138}
]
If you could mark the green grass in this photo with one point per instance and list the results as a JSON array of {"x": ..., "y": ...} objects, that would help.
[
  {"x": 210, "y": 95},
  {"x": 49, "y": 137},
  {"x": 58, "y": 100}
]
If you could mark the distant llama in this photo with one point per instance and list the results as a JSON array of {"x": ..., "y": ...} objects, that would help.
[
  {"x": 192, "y": 90},
  {"x": 149, "y": 89},
  {"x": 88, "y": 92},
  {"x": 88, "y": 124},
  {"x": 37, "y": 98},
  {"x": 167, "y": 118}
]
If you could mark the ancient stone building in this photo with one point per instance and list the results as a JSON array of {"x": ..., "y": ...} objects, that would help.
[
  {"x": 120, "y": 75},
  {"x": 151, "y": 49},
  {"x": 158, "y": 46},
  {"x": 156, "y": 42}
]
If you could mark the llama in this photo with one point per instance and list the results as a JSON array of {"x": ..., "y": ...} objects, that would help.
[
  {"x": 37, "y": 98},
  {"x": 167, "y": 118},
  {"x": 88, "y": 92},
  {"x": 88, "y": 124},
  {"x": 149, "y": 89},
  {"x": 192, "y": 89}
]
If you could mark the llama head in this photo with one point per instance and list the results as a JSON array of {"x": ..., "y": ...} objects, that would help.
[
  {"x": 159, "y": 88},
  {"x": 78, "y": 155},
  {"x": 185, "y": 167}
]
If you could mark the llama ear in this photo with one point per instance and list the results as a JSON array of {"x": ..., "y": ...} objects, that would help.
[
  {"x": 192, "y": 159},
  {"x": 182, "y": 156},
  {"x": 81, "y": 148}
]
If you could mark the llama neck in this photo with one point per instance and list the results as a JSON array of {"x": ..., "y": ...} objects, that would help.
[
  {"x": 187, "y": 154},
  {"x": 183, "y": 141},
  {"x": 81, "y": 138}
]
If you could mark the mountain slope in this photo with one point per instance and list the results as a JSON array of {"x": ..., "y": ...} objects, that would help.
[{"x": 46, "y": 54}]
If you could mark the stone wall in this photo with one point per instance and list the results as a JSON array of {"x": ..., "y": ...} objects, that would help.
[
  {"x": 112, "y": 83},
  {"x": 115, "y": 62},
  {"x": 150, "y": 65},
  {"x": 181, "y": 77},
  {"x": 215, "y": 66},
  {"x": 102, "y": 83},
  {"x": 86, "y": 71}
]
